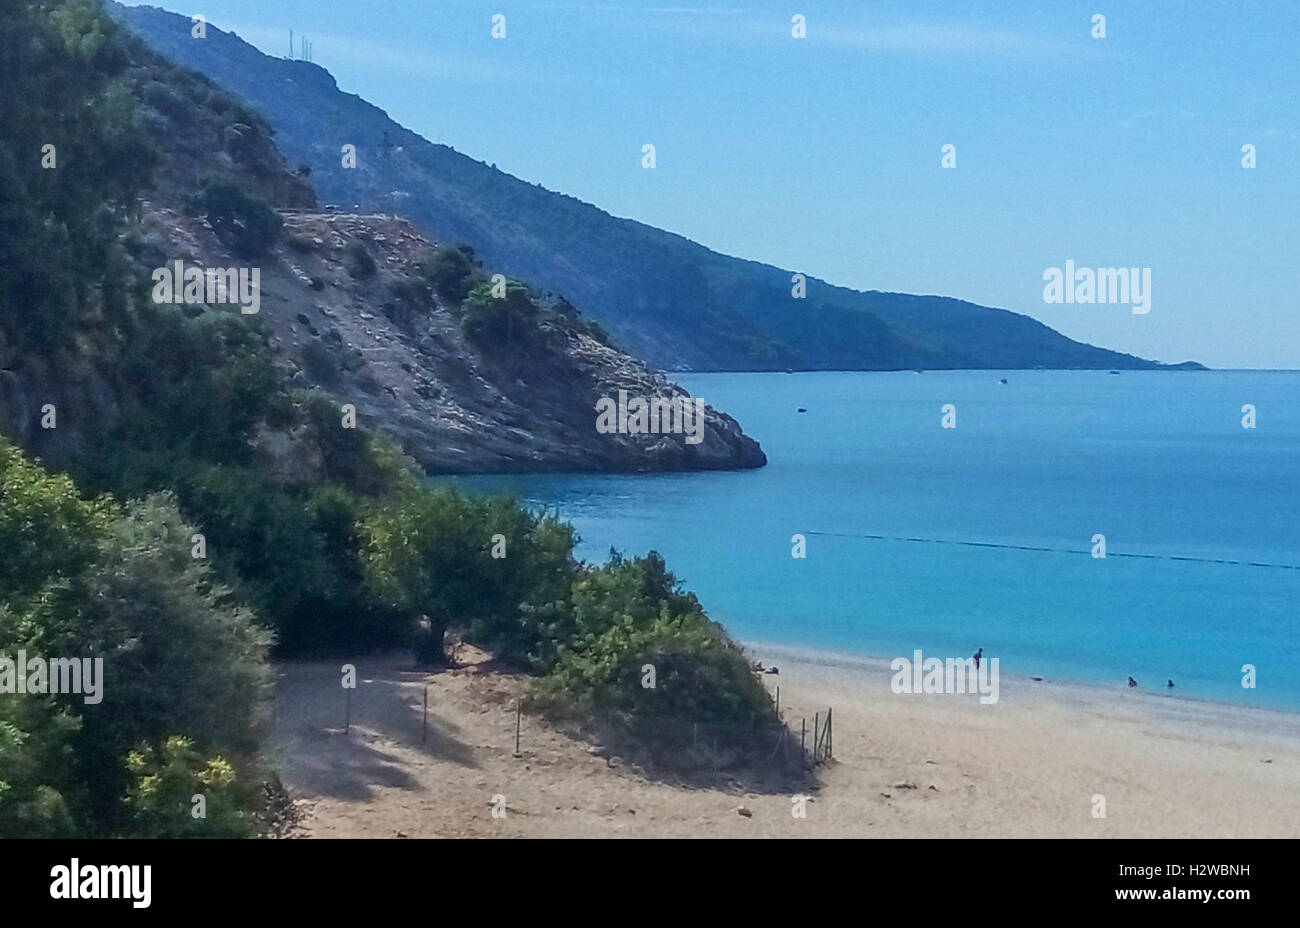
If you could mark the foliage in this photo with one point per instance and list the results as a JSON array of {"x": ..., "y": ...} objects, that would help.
[
  {"x": 62, "y": 68},
  {"x": 201, "y": 387},
  {"x": 177, "y": 655},
  {"x": 501, "y": 324},
  {"x": 357, "y": 260},
  {"x": 242, "y": 219},
  {"x": 451, "y": 272},
  {"x": 160, "y": 802},
  {"x": 430, "y": 555},
  {"x": 47, "y": 530},
  {"x": 631, "y": 615}
]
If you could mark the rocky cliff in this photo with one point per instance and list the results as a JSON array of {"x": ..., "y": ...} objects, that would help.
[
  {"x": 342, "y": 301},
  {"x": 386, "y": 343}
]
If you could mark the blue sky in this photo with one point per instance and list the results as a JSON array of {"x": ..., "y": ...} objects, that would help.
[{"x": 823, "y": 155}]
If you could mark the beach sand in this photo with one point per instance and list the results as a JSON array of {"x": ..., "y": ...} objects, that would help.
[{"x": 904, "y": 766}]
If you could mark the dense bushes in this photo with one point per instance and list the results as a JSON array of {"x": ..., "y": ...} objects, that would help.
[
  {"x": 500, "y": 319},
  {"x": 451, "y": 272},
  {"x": 179, "y": 659},
  {"x": 590, "y": 632},
  {"x": 243, "y": 221},
  {"x": 294, "y": 553},
  {"x": 432, "y": 555},
  {"x": 628, "y": 619},
  {"x": 166, "y": 779},
  {"x": 357, "y": 260},
  {"x": 505, "y": 324},
  {"x": 193, "y": 387},
  {"x": 62, "y": 71}
]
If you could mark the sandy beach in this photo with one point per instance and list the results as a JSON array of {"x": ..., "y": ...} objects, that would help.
[{"x": 905, "y": 765}]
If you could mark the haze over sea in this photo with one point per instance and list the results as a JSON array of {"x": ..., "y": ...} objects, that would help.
[{"x": 1158, "y": 462}]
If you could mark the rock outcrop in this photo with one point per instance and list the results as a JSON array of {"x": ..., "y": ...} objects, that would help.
[{"x": 384, "y": 342}]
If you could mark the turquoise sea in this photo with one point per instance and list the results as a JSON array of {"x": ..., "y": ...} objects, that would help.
[{"x": 981, "y": 536}]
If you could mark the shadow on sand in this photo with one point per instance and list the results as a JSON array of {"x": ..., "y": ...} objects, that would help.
[{"x": 342, "y": 744}]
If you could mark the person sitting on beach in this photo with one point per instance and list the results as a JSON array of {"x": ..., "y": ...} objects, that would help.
[
  {"x": 1170, "y": 684},
  {"x": 1132, "y": 682},
  {"x": 976, "y": 657}
]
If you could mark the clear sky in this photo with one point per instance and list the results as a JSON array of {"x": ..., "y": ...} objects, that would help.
[{"x": 823, "y": 154}]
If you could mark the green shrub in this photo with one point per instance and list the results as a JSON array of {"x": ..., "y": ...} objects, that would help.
[
  {"x": 450, "y": 272},
  {"x": 357, "y": 260},
  {"x": 496, "y": 324},
  {"x": 197, "y": 387},
  {"x": 632, "y": 615},
  {"x": 429, "y": 555},
  {"x": 177, "y": 656},
  {"x": 181, "y": 658},
  {"x": 303, "y": 244},
  {"x": 320, "y": 363},
  {"x": 164, "y": 781},
  {"x": 48, "y": 531},
  {"x": 261, "y": 540},
  {"x": 243, "y": 221}
]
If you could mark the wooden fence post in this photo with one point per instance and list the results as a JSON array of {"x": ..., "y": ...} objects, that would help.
[
  {"x": 518, "y": 712},
  {"x": 424, "y": 736}
]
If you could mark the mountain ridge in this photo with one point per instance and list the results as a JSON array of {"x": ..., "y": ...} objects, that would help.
[
  {"x": 663, "y": 297},
  {"x": 356, "y": 309}
]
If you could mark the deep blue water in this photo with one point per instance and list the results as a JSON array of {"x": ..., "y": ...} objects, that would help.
[{"x": 1158, "y": 462}]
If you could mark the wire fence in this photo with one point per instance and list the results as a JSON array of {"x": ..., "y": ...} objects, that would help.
[
  {"x": 778, "y": 745},
  {"x": 672, "y": 742}
]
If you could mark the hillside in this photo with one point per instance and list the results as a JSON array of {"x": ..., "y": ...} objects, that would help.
[
  {"x": 379, "y": 337},
  {"x": 390, "y": 346},
  {"x": 202, "y": 375},
  {"x": 662, "y": 297}
]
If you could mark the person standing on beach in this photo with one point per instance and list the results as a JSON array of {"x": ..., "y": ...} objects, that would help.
[{"x": 976, "y": 657}]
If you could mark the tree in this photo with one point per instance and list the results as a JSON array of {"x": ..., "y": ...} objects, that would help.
[
  {"x": 62, "y": 67},
  {"x": 48, "y": 531},
  {"x": 245, "y": 223},
  {"x": 427, "y": 555},
  {"x": 117, "y": 584},
  {"x": 506, "y": 323},
  {"x": 449, "y": 271}
]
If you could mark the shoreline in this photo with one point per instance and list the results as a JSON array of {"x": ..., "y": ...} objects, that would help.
[
  {"x": 872, "y": 674},
  {"x": 1042, "y": 762}
]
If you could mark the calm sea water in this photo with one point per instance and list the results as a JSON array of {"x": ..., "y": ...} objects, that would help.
[{"x": 1158, "y": 462}]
